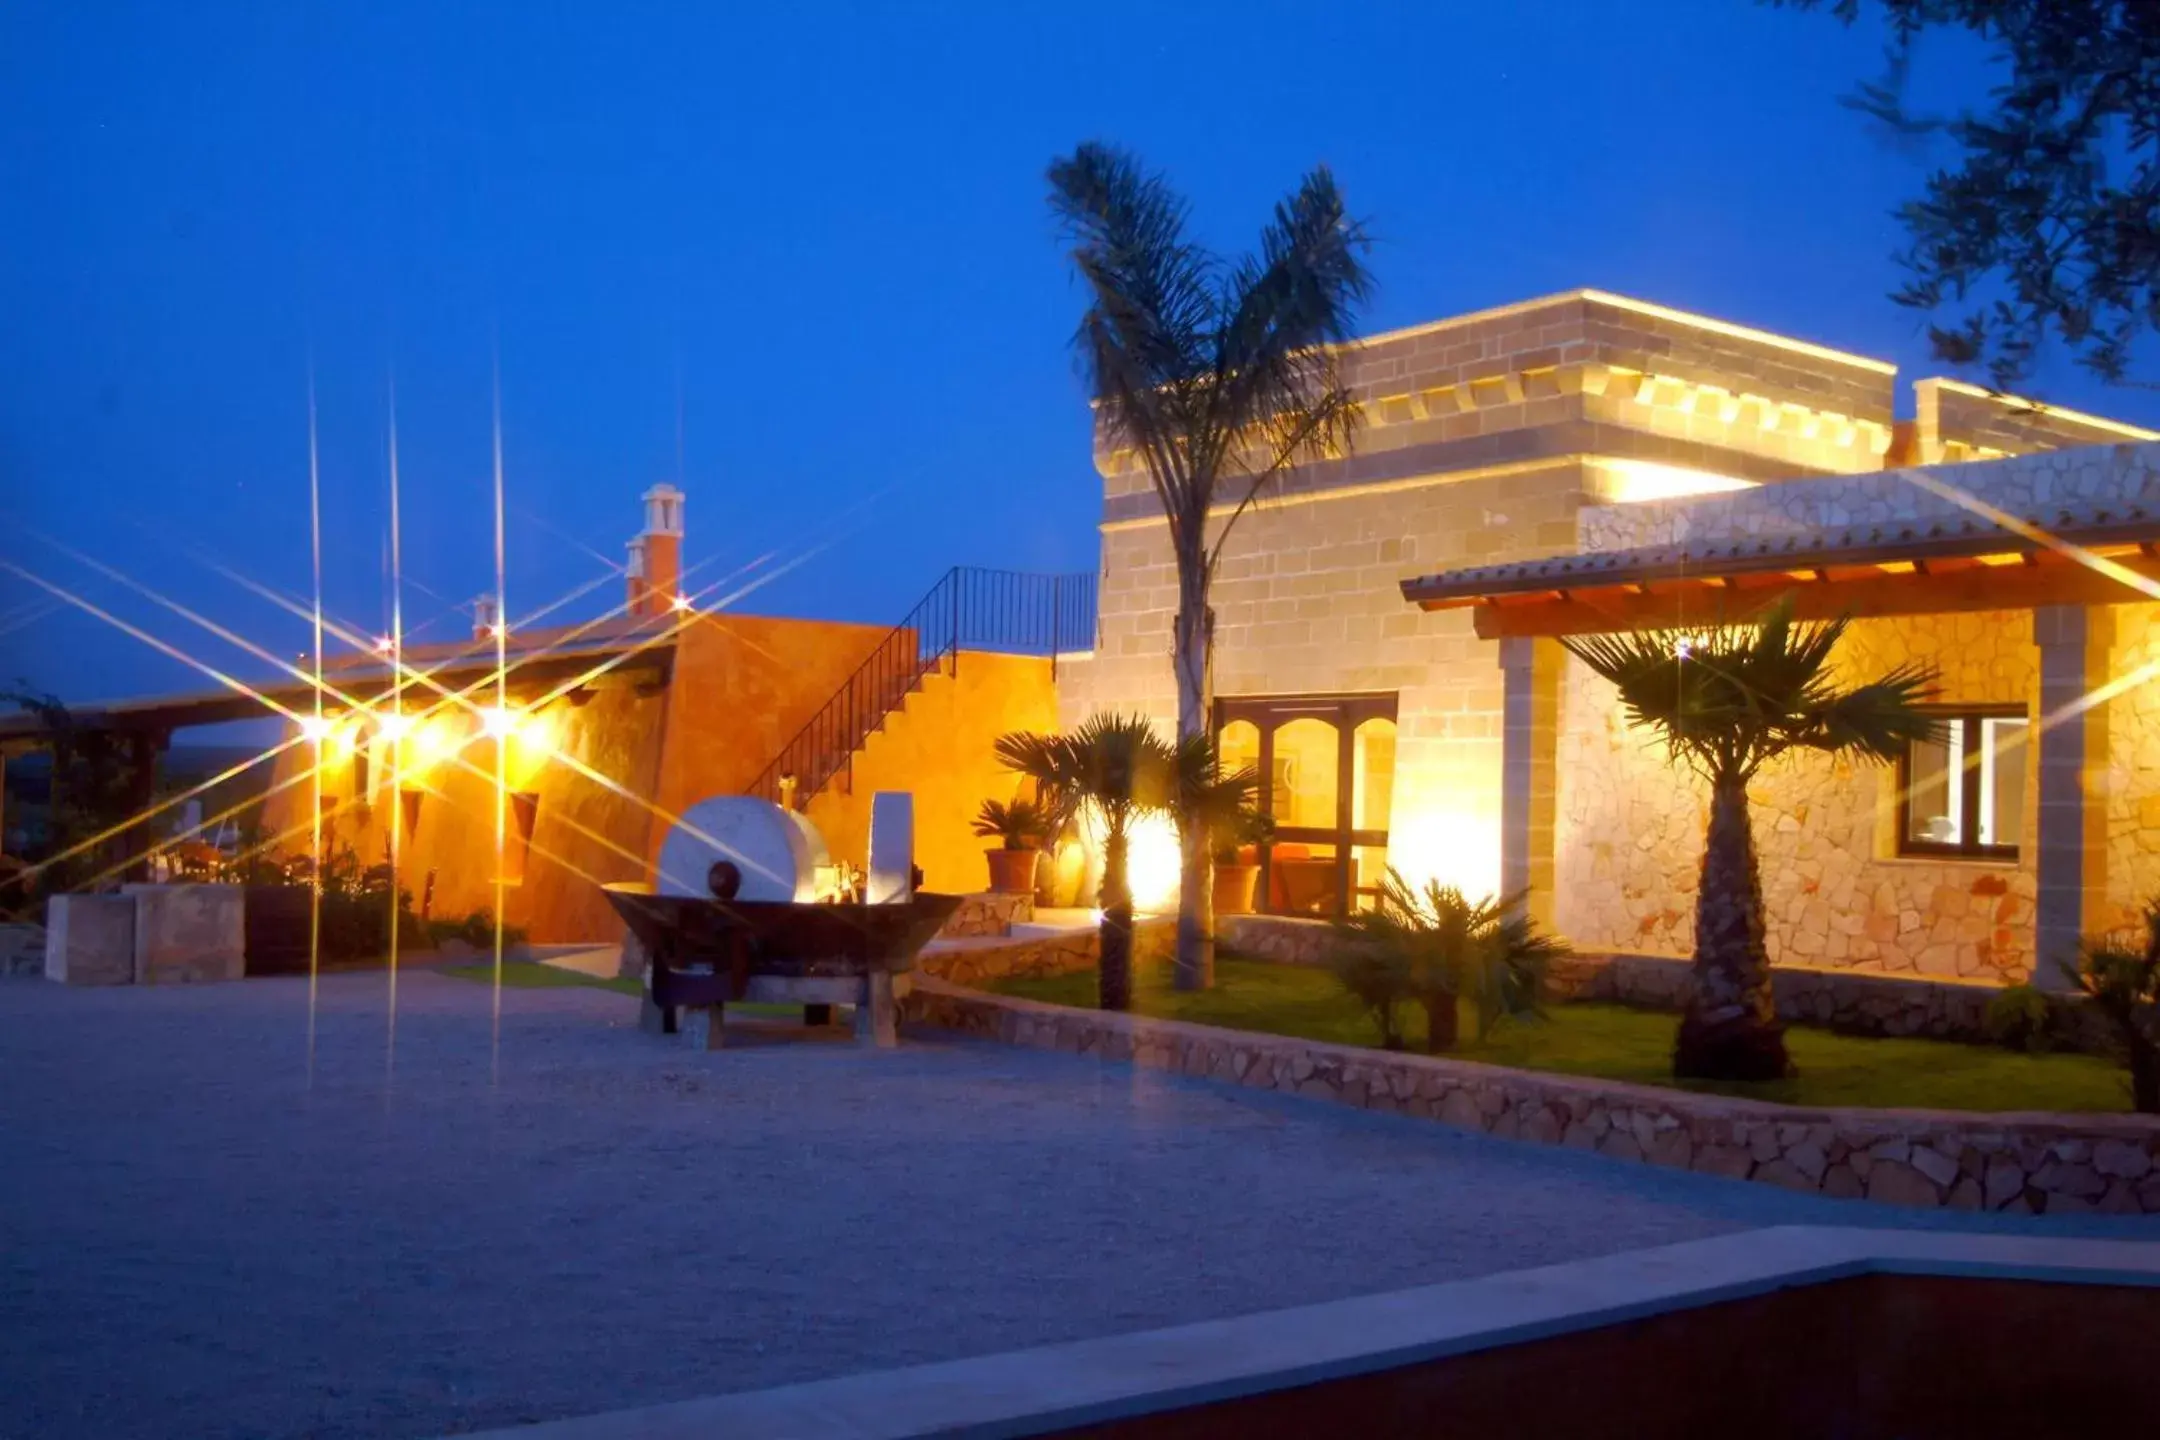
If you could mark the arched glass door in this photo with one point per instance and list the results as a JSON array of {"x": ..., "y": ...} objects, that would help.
[{"x": 1327, "y": 768}]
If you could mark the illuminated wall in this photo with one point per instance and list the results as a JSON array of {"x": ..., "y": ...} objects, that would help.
[{"x": 938, "y": 746}]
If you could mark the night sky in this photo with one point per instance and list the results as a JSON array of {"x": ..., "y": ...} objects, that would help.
[{"x": 806, "y": 244}]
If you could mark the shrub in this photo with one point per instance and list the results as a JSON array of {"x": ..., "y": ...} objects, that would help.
[
  {"x": 2021, "y": 1017},
  {"x": 2121, "y": 976},
  {"x": 1377, "y": 979},
  {"x": 476, "y": 930},
  {"x": 1439, "y": 948}
]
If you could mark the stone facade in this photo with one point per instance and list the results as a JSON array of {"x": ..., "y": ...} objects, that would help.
[
  {"x": 1283, "y": 939},
  {"x": 1632, "y": 823},
  {"x": 188, "y": 934},
  {"x": 988, "y": 912},
  {"x": 2016, "y": 1164}
]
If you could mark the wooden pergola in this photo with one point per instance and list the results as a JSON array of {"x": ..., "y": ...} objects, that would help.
[{"x": 2098, "y": 557}]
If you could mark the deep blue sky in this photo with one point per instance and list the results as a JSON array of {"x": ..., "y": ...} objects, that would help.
[{"x": 823, "y": 227}]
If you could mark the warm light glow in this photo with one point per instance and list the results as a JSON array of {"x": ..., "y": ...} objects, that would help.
[
  {"x": 1626, "y": 482},
  {"x": 2009, "y": 557},
  {"x": 682, "y": 602},
  {"x": 498, "y": 630},
  {"x": 1151, "y": 859},
  {"x": 393, "y": 727},
  {"x": 1431, "y": 837},
  {"x": 497, "y": 722},
  {"x": 316, "y": 728},
  {"x": 384, "y": 645}
]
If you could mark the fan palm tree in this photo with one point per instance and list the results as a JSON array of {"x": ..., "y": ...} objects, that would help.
[
  {"x": 1121, "y": 767},
  {"x": 1726, "y": 703},
  {"x": 1438, "y": 947},
  {"x": 1209, "y": 800},
  {"x": 1220, "y": 375}
]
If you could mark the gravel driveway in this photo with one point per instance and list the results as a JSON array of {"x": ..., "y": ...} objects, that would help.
[{"x": 198, "y": 1239}]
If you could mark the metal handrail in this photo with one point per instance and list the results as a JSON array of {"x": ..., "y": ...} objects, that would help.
[{"x": 1007, "y": 611}]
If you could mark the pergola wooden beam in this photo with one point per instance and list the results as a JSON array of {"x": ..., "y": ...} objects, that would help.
[{"x": 2054, "y": 580}]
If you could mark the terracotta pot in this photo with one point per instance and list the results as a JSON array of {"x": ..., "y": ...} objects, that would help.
[
  {"x": 1012, "y": 872},
  {"x": 1234, "y": 885}
]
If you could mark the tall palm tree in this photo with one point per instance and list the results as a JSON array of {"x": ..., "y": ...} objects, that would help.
[
  {"x": 1121, "y": 767},
  {"x": 1727, "y": 702},
  {"x": 1220, "y": 375}
]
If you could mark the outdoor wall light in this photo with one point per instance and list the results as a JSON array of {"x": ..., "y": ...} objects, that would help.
[
  {"x": 316, "y": 728},
  {"x": 498, "y": 722},
  {"x": 393, "y": 727},
  {"x": 682, "y": 602}
]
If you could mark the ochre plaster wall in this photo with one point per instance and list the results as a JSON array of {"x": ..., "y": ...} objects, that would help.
[{"x": 938, "y": 746}]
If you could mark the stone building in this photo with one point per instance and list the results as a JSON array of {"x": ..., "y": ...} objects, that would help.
[{"x": 1387, "y": 629}]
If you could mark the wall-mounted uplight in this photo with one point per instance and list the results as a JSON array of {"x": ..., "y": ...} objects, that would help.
[
  {"x": 498, "y": 722},
  {"x": 316, "y": 728},
  {"x": 393, "y": 727}
]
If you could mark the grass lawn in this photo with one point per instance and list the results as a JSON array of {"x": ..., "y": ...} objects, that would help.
[
  {"x": 1617, "y": 1043},
  {"x": 532, "y": 975}
]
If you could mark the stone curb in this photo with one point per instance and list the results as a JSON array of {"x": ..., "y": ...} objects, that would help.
[{"x": 2017, "y": 1163}]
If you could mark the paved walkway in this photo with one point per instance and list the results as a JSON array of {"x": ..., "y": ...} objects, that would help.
[{"x": 197, "y": 1240}]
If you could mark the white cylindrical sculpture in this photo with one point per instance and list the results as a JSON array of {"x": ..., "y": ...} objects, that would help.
[
  {"x": 892, "y": 849},
  {"x": 776, "y": 852}
]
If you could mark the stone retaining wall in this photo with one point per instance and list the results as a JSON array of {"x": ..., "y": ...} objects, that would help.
[
  {"x": 1855, "y": 1002},
  {"x": 988, "y": 912},
  {"x": 2017, "y": 1163},
  {"x": 979, "y": 961}
]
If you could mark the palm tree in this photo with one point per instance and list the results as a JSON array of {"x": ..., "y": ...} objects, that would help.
[
  {"x": 1438, "y": 947},
  {"x": 1727, "y": 702},
  {"x": 1220, "y": 376},
  {"x": 1207, "y": 800},
  {"x": 1120, "y": 766}
]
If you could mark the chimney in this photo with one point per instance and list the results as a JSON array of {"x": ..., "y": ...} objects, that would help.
[
  {"x": 486, "y": 615},
  {"x": 656, "y": 555},
  {"x": 634, "y": 576}
]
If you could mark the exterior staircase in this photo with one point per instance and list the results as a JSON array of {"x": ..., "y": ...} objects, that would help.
[{"x": 1006, "y": 611}]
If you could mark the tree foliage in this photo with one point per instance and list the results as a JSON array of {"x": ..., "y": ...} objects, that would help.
[
  {"x": 2047, "y": 219},
  {"x": 1730, "y": 699}
]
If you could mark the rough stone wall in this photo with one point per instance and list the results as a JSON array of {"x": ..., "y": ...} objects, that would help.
[
  {"x": 2132, "y": 778},
  {"x": 2017, "y": 1164},
  {"x": 2026, "y": 486},
  {"x": 1631, "y": 827}
]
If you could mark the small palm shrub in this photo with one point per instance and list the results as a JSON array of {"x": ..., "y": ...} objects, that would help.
[
  {"x": 2121, "y": 977},
  {"x": 1436, "y": 948},
  {"x": 1021, "y": 825},
  {"x": 2020, "y": 1017}
]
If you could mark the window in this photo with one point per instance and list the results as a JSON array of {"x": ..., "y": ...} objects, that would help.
[
  {"x": 1327, "y": 767},
  {"x": 1963, "y": 793}
]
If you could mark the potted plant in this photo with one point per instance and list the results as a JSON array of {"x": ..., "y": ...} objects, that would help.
[
  {"x": 1022, "y": 826},
  {"x": 1237, "y": 860}
]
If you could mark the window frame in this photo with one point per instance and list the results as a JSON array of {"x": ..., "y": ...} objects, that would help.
[
  {"x": 1967, "y": 718},
  {"x": 1345, "y": 711}
]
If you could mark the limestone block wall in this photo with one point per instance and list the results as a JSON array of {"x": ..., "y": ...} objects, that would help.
[
  {"x": 1631, "y": 827},
  {"x": 1956, "y": 421},
  {"x": 1588, "y": 372},
  {"x": 1307, "y": 600}
]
